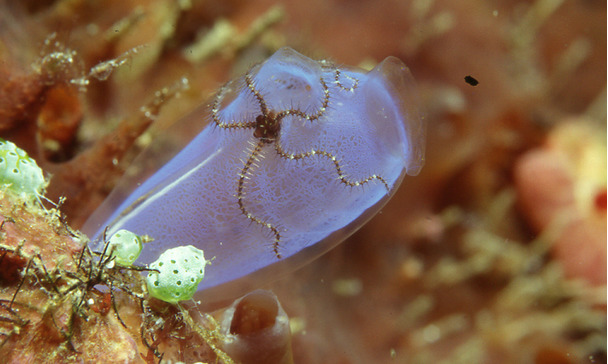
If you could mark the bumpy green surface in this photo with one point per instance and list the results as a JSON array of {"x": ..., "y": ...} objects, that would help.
[
  {"x": 19, "y": 173},
  {"x": 180, "y": 271},
  {"x": 125, "y": 246}
]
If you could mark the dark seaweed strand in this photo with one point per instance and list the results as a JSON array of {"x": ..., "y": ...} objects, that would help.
[
  {"x": 282, "y": 153},
  {"x": 240, "y": 194}
]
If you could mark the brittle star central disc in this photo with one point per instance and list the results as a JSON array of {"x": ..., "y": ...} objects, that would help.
[{"x": 267, "y": 127}]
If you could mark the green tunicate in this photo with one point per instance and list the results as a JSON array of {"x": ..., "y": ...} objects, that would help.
[
  {"x": 19, "y": 173},
  {"x": 180, "y": 270},
  {"x": 125, "y": 246}
]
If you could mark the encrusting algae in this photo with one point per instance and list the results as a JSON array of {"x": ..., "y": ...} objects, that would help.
[{"x": 59, "y": 303}]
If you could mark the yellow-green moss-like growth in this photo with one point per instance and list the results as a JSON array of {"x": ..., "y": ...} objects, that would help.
[
  {"x": 19, "y": 173},
  {"x": 180, "y": 270}
]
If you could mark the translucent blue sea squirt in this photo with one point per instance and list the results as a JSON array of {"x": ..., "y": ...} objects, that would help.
[{"x": 296, "y": 156}]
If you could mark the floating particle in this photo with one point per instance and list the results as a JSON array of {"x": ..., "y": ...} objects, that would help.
[{"x": 471, "y": 80}]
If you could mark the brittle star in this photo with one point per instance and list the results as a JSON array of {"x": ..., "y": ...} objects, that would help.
[{"x": 266, "y": 130}]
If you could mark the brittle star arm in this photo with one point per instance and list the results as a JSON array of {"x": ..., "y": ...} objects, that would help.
[
  {"x": 215, "y": 109},
  {"x": 281, "y": 114},
  {"x": 341, "y": 86},
  {"x": 282, "y": 153},
  {"x": 253, "y": 156}
]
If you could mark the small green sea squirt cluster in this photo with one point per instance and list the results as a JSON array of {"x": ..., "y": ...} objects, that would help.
[
  {"x": 125, "y": 246},
  {"x": 19, "y": 173},
  {"x": 176, "y": 274}
]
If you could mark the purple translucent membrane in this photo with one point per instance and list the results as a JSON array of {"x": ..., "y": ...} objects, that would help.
[{"x": 296, "y": 156}]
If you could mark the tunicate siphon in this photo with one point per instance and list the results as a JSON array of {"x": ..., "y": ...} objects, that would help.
[{"x": 296, "y": 156}]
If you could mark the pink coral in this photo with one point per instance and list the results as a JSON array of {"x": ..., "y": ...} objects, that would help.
[{"x": 562, "y": 190}]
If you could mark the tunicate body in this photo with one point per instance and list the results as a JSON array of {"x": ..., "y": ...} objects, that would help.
[
  {"x": 297, "y": 155},
  {"x": 175, "y": 275},
  {"x": 19, "y": 173},
  {"x": 125, "y": 247}
]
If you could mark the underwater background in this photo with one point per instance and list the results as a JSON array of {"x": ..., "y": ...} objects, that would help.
[{"x": 494, "y": 253}]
